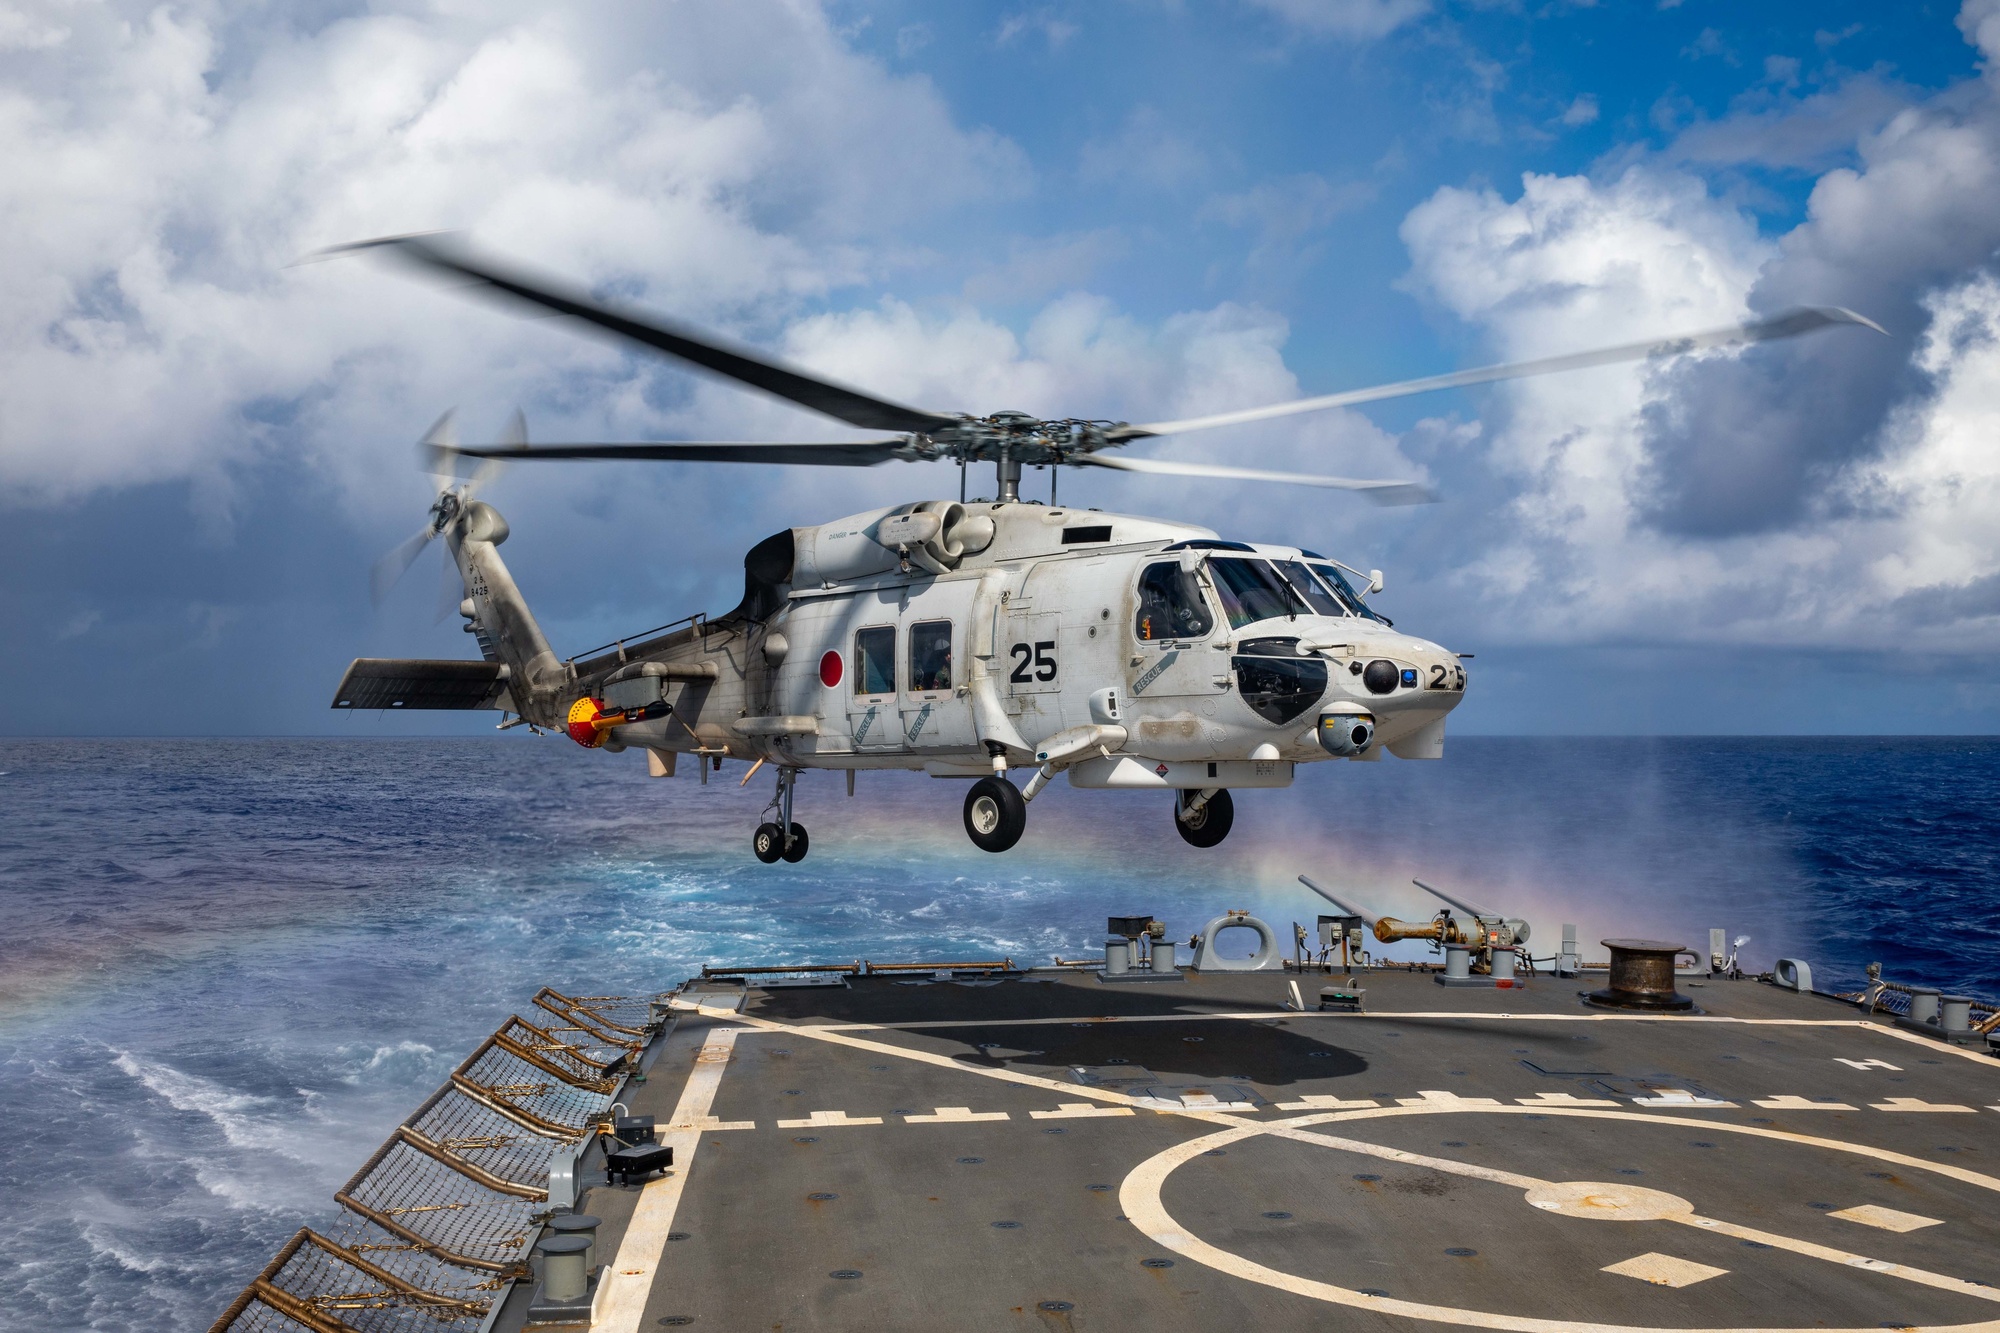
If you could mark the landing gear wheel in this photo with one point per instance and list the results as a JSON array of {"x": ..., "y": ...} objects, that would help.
[
  {"x": 1209, "y": 825},
  {"x": 995, "y": 814},
  {"x": 768, "y": 842},
  {"x": 797, "y": 851}
]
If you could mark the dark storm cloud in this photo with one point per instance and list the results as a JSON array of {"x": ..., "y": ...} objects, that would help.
[{"x": 1758, "y": 442}]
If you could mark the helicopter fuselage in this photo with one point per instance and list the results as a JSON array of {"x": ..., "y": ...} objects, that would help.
[{"x": 1156, "y": 654}]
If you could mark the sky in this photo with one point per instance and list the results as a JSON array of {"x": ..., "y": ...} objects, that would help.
[{"x": 1132, "y": 209}]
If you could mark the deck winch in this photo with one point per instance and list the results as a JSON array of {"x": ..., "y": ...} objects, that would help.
[{"x": 1480, "y": 948}]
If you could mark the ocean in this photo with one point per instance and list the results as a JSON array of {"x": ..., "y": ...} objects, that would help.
[{"x": 231, "y": 966}]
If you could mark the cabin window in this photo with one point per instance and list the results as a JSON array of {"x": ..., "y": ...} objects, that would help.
[
  {"x": 1252, "y": 591},
  {"x": 930, "y": 655},
  {"x": 1171, "y": 605},
  {"x": 875, "y": 660},
  {"x": 1305, "y": 585}
]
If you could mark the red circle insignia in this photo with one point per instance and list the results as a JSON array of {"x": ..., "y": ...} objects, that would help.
[{"x": 829, "y": 669}]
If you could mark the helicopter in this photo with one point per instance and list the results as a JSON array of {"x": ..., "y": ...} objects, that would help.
[{"x": 969, "y": 639}]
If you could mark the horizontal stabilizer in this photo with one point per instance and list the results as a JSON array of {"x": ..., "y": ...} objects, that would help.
[{"x": 393, "y": 682}]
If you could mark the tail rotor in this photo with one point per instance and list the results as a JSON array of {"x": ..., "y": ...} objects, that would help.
[{"x": 440, "y": 455}]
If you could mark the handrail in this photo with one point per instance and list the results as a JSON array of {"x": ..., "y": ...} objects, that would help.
[
  {"x": 849, "y": 968},
  {"x": 997, "y": 965},
  {"x": 698, "y": 617}
]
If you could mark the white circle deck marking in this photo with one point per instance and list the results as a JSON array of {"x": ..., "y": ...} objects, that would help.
[
  {"x": 1598, "y": 1202},
  {"x": 1139, "y": 1196}
]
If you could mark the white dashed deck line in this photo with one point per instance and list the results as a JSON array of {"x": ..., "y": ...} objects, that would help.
[
  {"x": 1676, "y": 1097},
  {"x": 1664, "y": 1270},
  {"x": 829, "y": 1119},
  {"x": 1887, "y": 1219},
  {"x": 1078, "y": 1111},
  {"x": 1919, "y": 1104},
  {"x": 1435, "y": 1097},
  {"x": 630, "y": 1275},
  {"x": 1561, "y": 1099},
  {"x": 1787, "y": 1102},
  {"x": 954, "y": 1115},
  {"x": 1316, "y": 1102},
  {"x": 703, "y": 1124}
]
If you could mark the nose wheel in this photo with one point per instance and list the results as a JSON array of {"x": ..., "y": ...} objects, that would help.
[
  {"x": 1204, "y": 818},
  {"x": 781, "y": 839},
  {"x": 995, "y": 814}
]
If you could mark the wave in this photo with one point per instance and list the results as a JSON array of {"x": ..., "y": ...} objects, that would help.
[{"x": 231, "y": 1111}]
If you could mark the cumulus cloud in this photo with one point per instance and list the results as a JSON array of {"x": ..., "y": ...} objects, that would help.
[
  {"x": 1762, "y": 442},
  {"x": 737, "y": 166},
  {"x": 1829, "y": 491},
  {"x": 166, "y": 165}
]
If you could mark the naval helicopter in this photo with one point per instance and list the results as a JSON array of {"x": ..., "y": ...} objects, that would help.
[{"x": 971, "y": 639}]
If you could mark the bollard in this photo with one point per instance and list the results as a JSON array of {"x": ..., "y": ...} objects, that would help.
[
  {"x": 578, "y": 1224},
  {"x": 1117, "y": 957},
  {"x": 1503, "y": 964},
  {"x": 1923, "y": 1004},
  {"x": 1163, "y": 955},
  {"x": 563, "y": 1275},
  {"x": 1457, "y": 962},
  {"x": 1955, "y": 1012},
  {"x": 1642, "y": 977}
]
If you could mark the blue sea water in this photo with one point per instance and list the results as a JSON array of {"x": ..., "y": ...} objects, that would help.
[{"x": 228, "y": 968}]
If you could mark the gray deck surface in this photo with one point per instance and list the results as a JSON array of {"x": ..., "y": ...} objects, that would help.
[{"x": 1304, "y": 1217}]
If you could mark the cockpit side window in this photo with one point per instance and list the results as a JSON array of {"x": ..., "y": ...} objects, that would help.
[
  {"x": 1336, "y": 581},
  {"x": 1251, "y": 591},
  {"x": 875, "y": 660},
  {"x": 1317, "y": 595},
  {"x": 1171, "y": 605}
]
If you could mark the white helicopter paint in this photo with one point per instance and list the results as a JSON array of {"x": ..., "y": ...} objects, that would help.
[{"x": 966, "y": 640}]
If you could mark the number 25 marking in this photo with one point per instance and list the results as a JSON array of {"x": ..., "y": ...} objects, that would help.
[
  {"x": 1446, "y": 678},
  {"x": 1042, "y": 657}
]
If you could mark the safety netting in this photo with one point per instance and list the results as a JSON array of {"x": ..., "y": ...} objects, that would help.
[{"x": 437, "y": 1223}]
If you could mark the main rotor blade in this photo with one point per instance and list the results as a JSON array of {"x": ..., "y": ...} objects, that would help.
[
  {"x": 1381, "y": 492},
  {"x": 850, "y": 405},
  {"x": 1790, "y": 324},
  {"x": 839, "y": 453},
  {"x": 391, "y": 567}
]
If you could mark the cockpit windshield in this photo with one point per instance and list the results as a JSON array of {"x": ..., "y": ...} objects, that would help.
[
  {"x": 1317, "y": 595},
  {"x": 1251, "y": 591},
  {"x": 1338, "y": 582}
]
